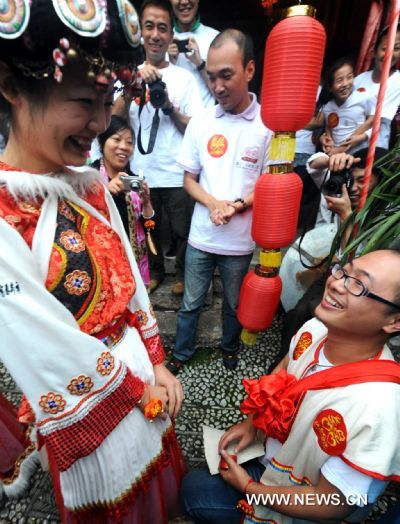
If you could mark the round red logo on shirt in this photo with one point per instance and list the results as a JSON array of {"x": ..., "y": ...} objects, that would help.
[
  {"x": 217, "y": 146},
  {"x": 333, "y": 120},
  {"x": 361, "y": 89},
  {"x": 331, "y": 432},
  {"x": 303, "y": 343}
]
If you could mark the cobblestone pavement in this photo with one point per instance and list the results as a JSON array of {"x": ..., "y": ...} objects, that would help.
[{"x": 212, "y": 396}]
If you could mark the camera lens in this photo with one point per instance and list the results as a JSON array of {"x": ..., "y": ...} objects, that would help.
[{"x": 157, "y": 94}]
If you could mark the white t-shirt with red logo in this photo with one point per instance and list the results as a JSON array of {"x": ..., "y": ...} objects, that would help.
[
  {"x": 391, "y": 101},
  {"x": 343, "y": 120},
  {"x": 229, "y": 153}
]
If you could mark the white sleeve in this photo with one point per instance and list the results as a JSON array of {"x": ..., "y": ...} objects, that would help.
[
  {"x": 354, "y": 485},
  {"x": 41, "y": 343},
  {"x": 189, "y": 155},
  {"x": 191, "y": 104},
  {"x": 48, "y": 356},
  {"x": 318, "y": 175},
  {"x": 267, "y": 150}
]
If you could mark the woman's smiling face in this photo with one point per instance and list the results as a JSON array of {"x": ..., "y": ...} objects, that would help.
[
  {"x": 118, "y": 148},
  {"x": 58, "y": 131}
]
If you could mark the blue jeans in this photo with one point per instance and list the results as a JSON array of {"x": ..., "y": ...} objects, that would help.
[
  {"x": 208, "y": 498},
  {"x": 199, "y": 270}
]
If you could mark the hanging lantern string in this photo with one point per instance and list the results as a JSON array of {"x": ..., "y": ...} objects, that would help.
[{"x": 395, "y": 9}]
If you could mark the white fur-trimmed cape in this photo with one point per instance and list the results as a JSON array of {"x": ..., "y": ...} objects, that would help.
[{"x": 72, "y": 182}]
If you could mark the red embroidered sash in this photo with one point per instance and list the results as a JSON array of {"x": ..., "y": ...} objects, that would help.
[{"x": 273, "y": 400}]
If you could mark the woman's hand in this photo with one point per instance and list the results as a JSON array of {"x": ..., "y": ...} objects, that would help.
[
  {"x": 354, "y": 140},
  {"x": 235, "y": 475},
  {"x": 174, "y": 388},
  {"x": 244, "y": 433},
  {"x": 326, "y": 141},
  {"x": 115, "y": 185},
  {"x": 151, "y": 392},
  {"x": 145, "y": 194}
]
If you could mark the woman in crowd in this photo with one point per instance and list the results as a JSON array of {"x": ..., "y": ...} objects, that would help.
[
  {"x": 369, "y": 82},
  {"x": 78, "y": 334},
  {"x": 137, "y": 213}
]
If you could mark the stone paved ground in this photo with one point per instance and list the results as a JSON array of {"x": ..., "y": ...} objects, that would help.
[{"x": 212, "y": 393}]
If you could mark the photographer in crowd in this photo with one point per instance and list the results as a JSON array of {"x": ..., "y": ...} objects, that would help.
[
  {"x": 131, "y": 195},
  {"x": 340, "y": 178},
  {"x": 191, "y": 42},
  {"x": 159, "y": 118}
]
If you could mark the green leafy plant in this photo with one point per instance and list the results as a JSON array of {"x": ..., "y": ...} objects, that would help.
[{"x": 377, "y": 224}]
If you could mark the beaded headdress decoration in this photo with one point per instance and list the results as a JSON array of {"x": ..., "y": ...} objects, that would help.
[{"x": 86, "y": 18}]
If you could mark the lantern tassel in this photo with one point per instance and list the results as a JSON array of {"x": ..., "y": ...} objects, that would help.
[
  {"x": 283, "y": 146},
  {"x": 248, "y": 338}
]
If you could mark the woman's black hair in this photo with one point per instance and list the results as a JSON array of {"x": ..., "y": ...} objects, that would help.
[
  {"x": 34, "y": 48},
  {"x": 117, "y": 124},
  {"x": 382, "y": 34}
]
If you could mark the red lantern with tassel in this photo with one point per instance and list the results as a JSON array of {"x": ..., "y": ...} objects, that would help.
[
  {"x": 292, "y": 70},
  {"x": 276, "y": 207},
  {"x": 259, "y": 298}
]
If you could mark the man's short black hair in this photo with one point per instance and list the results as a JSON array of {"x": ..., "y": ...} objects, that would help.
[
  {"x": 243, "y": 41},
  {"x": 362, "y": 154},
  {"x": 165, "y": 5}
]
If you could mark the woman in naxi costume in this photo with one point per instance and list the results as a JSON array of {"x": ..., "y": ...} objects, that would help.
[{"x": 78, "y": 334}]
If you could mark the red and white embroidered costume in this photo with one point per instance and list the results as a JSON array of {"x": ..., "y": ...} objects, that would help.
[
  {"x": 354, "y": 423},
  {"x": 80, "y": 339}
]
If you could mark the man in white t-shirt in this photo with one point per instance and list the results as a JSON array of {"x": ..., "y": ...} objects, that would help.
[
  {"x": 187, "y": 27},
  {"x": 163, "y": 174},
  {"x": 224, "y": 151}
]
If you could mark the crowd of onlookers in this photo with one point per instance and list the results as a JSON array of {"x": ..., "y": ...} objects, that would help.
[{"x": 151, "y": 136}]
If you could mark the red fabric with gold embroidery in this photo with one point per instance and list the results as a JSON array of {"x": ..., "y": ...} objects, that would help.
[{"x": 108, "y": 282}]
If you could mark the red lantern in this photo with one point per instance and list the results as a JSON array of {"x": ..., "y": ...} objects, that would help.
[
  {"x": 276, "y": 208},
  {"x": 259, "y": 298},
  {"x": 292, "y": 70}
]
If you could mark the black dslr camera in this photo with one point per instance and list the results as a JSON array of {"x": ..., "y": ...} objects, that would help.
[
  {"x": 333, "y": 186},
  {"x": 157, "y": 94}
]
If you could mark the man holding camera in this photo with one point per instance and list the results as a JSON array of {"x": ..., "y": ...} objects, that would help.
[
  {"x": 340, "y": 178},
  {"x": 191, "y": 42},
  {"x": 169, "y": 97}
]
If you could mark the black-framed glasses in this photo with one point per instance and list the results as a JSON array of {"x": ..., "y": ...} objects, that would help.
[{"x": 356, "y": 287}]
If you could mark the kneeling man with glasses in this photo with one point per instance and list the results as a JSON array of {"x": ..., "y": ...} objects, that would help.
[{"x": 329, "y": 413}]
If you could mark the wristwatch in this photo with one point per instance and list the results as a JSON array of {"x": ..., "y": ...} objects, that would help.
[
  {"x": 168, "y": 110},
  {"x": 244, "y": 205},
  {"x": 201, "y": 66}
]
